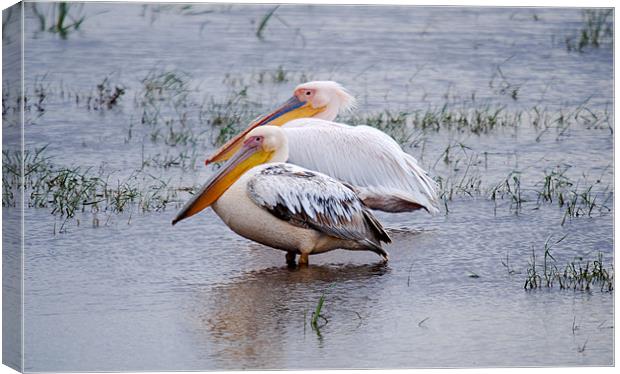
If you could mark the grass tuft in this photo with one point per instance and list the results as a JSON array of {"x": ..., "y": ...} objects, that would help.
[
  {"x": 577, "y": 274},
  {"x": 314, "y": 321},
  {"x": 596, "y": 30},
  {"x": 67, "y": 191},
  {"x": 60, "y": 18}
]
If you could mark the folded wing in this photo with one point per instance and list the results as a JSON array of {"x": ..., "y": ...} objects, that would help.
[
  {"x": 315, "y": 201},
  {"x": 384, "y": 176}
]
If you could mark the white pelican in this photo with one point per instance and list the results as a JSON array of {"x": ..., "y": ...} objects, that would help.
[
  {"x": 384, "y": 176},
  {"x": 285, "y": 206}
]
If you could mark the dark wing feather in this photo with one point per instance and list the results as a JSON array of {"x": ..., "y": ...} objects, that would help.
[{"x": 315, "y": 201}]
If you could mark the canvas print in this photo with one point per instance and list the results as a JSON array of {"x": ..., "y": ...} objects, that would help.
[{"x": 304, "y": 186}]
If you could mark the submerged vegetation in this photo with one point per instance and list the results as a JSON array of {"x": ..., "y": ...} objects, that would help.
[
  {"x": 106, "y": 97},
  {"x": 170, "y": 111},
  {"x": 576, "y": 198},
  {"x": 68, "y": 191},
  {"x": 402, "y": 125},
  {"x": 60, "y": 18},
  {"x": 164, "y": 101},
  {"x": 154, "y": 11},
  {"x": 264, "y": 21},
  {"x": 474, "y": 118},
  {"x": 317, "y": 316},
  {"x": 575, "y": 275},
  {"x": 595, "y": 31},
  {"x": 228, "y": 117}
]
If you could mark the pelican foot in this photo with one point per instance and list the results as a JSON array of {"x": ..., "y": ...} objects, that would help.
[
  {"x": 290, "y": 259},
  {"x": 303, "y": 259}
]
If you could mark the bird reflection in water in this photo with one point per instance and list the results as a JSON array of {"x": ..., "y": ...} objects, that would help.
[{"x": 256, "y": 320}]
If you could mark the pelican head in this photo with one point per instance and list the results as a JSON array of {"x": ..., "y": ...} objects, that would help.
[
  {"x": 261, "y": 145},
  {"x": 330, "y": 96},
  {"x": 318, "y": 99}
]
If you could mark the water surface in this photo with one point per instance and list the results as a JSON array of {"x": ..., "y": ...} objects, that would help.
[{"x": 136, "y": 293}]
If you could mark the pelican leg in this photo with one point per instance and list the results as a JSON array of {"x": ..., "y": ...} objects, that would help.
[
  {"x": 290, "y": 258},
  {"x": 303, "y": 259}
]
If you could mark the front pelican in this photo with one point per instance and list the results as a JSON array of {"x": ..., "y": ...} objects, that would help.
[
  {"x": 384, "y": 176},
  {"x": 285, "y": 206}
]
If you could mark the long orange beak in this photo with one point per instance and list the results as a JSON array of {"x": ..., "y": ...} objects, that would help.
[
  {"x": 248, "y": 156},
  {"x": 292, "y": 109}
]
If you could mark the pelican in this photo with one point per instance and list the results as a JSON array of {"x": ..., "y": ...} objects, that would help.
[
  {"x": 383, "y": 175},
  {"x": 285, "y": 206}
]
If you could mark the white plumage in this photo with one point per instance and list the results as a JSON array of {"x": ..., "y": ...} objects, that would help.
[{"x": 384, "y": 176}]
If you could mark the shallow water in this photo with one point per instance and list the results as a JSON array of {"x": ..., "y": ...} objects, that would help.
[
  {"x": 136, "y": 293},
  {"x": 196, "y": 296}
]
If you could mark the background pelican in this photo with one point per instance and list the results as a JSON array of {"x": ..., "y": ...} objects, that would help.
[
  {"x": 384, "y": 176},
  {"x": 285, "y": 206}
]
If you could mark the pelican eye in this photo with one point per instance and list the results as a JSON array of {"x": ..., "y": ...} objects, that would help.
[{"x": 308, "y": 93}]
